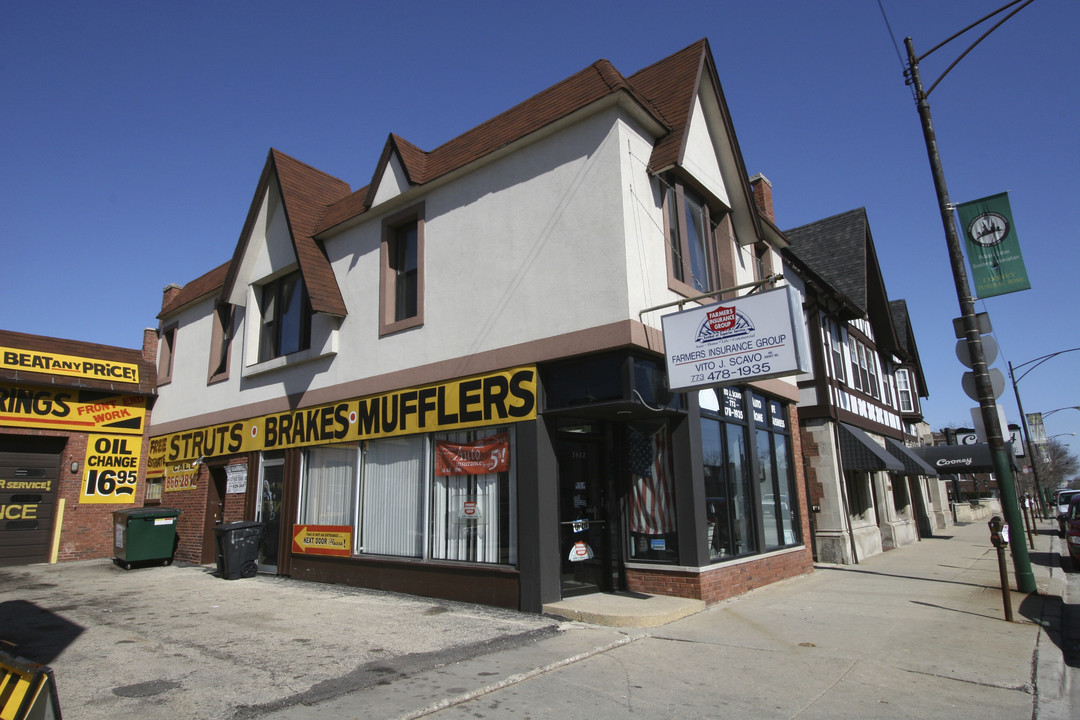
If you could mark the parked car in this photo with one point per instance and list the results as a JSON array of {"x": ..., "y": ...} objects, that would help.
[
  {"x": 1072, "y": 531},
  {"x": 1062, "y": 502}
]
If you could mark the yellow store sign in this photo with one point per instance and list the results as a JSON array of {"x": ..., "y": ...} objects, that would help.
[
  {"x": 504, "y": 396},
  {"x": 111, "y": 471},
  {"x": 69, "y": 365},
  {"x": 58, "y": 409}
]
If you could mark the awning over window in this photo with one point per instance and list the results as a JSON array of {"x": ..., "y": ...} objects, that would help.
[
  {"x": 859, "y": 452},
  {"x": 913, "y": 464},
  {"x": 953, "y": 459}
]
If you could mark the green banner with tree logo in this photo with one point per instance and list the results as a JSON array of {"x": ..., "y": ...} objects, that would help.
[{"x": 997, "y": 267}]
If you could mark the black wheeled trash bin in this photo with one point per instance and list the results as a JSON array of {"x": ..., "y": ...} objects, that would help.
[
  {"x": 238, "y": 549},
  {"x": 144, "y": 535}
]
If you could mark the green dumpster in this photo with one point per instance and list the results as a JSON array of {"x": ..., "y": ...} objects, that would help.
[{"x": 144, "y": 535}]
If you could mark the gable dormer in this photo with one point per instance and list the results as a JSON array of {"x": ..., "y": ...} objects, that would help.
[
  {"x": 701, "y": 146},
  {"x": 279, "y": 273}
]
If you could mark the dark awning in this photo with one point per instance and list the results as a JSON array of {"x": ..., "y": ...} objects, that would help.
[
  {"x": 913, "y": 464},
  {"x": 952, "y": 459},
  {"x": 859, "y": 452}
]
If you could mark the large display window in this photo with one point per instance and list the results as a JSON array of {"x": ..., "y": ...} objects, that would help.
[
  {"x": 749, "y": 479},
  {"x": 440, "y": 496}
]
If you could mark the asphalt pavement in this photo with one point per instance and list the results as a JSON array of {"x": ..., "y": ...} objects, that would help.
[{"x": 917, "y": 632}]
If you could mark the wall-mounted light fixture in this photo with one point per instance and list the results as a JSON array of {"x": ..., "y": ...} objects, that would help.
[{"x": 74, "y": 467}]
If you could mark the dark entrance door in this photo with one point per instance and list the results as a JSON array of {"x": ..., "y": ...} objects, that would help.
[
  {"x": 588, "y": 520},
  {"x": 28, "y": 485},
  {"x": 215, "y": 512}
]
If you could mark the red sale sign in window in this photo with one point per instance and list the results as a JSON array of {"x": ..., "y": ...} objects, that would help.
[{"x": 489, "y": 455}]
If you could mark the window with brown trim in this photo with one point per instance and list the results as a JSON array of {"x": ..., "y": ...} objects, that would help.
[
  {"x": 166, "y": 351},
  {"x": 221, "y": 343},
  {"x": 401, "y": 296},
  {"x": 286, "y": 317},
  {"x": 692, "y": 266}
]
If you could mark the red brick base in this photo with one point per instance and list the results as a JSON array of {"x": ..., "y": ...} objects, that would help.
[{"x": 722, "y": 581}]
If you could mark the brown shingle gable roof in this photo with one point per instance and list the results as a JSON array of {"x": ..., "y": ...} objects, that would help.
[
  {"x": 210, "y": 282},
  {"x": 305, "y": 194},
  {"x": 577, "y": 91},
  {"x": 672, "y": 84}
]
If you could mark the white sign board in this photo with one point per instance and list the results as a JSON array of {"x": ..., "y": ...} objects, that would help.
[
  {"x": 736, "y": 341},
  {"x": 236, "y": 479}
]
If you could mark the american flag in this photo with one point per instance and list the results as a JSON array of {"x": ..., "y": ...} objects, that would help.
[{"x": 652, "y": 506}]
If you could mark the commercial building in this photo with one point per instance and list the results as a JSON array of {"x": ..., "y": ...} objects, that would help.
[
  {"x": 451, "y": 381},
  {"x": 860, "y": 411},
  {"x": 74, "y": 418}
]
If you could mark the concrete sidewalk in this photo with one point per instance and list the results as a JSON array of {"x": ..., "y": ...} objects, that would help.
[{"x": 916, "y": 632}]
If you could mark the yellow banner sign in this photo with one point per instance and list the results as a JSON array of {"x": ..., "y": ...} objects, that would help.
[
  {"x": 335, "y": 540},
  {"x": 504, "y": 396},
  {"x": 84, "y": 410},
  {"x": 110, "y": 473},
  {"x": 70, "y": 365}
]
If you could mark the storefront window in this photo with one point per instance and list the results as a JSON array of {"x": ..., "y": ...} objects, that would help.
[
  {"x": 391, "y": 496},
  {"x": 420, "y": 496},
  {"x": 329, "y": 482},
  {"x": 652, "y": 497},
  {"x": 740, "y": 516},
  {"x": 470, "y": 497}
]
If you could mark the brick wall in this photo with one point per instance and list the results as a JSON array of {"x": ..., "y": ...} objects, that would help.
[{"x": 86, "y": 530}]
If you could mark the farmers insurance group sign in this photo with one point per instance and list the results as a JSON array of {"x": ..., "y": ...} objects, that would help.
[{"x": 736, "y": 341}]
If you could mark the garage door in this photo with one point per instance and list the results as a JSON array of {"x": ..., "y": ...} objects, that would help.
[{"x": 28, "y": 484}]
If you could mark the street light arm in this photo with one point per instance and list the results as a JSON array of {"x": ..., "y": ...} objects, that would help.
[
  {"x": 981, "y": 38},
  {"x": 1037, "y": 362},
  {"x": 1069, "y": 407}
]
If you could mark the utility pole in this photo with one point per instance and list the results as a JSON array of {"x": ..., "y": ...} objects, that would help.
[{"x": 1025, "y": 579}]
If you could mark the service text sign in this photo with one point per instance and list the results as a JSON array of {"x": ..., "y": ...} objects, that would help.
[{"x": 736, "y": 341}]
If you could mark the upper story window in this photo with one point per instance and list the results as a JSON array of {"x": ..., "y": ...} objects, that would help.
[
  {"x": 402, "y": 281},
  {"x": 905, "y": 390},
  {"x": 836, "y": 345},
  {"x": 692, "y": 256},
  {"x": 221, "y": 342},
  {"x": 286, "y": 317},
  {"x": 166, "y": 351},
  {"x": 864, "y": 373}
]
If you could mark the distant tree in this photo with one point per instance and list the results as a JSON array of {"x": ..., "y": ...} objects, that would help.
[{"x": 1054, "y": 463}]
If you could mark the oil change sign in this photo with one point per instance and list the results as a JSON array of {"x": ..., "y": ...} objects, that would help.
[
  {"x": 58, "y": 409},
  {"x": 736, "y": 341},
  {"x": 69, "y": 365},
  {"x": 110, "y": 473}
]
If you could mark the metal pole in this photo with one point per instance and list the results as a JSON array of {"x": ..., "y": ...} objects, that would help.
[
  {"x": 1024, "y": 427},
  {"x": 1025, "y": 579}
]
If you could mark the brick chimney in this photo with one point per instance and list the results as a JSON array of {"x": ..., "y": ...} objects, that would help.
[
  {"x": 168, "y": 293},
  {"x": 762, "y": 189},
  {"x": 149, "y": 344}
]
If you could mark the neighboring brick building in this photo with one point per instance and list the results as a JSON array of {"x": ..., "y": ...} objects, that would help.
[{"x": 73, "y": 444}]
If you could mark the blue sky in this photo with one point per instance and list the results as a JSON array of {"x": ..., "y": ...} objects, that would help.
[{"x": 132, "y": 135}]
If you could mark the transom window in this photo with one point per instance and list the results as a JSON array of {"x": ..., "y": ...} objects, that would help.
[{"x": 286, "y": 317}]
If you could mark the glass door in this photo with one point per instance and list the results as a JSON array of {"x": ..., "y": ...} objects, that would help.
[
  {"x": 268, "y": 509},
  {"x": 584, "y": 527}
]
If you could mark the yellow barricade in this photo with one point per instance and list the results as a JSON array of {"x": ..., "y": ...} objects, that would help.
[{"x": 27, "y": 690}]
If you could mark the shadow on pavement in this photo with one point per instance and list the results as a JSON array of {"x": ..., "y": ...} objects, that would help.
[{"x": 38, "y": 634}]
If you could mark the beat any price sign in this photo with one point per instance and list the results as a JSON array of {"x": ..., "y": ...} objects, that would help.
[{"x": 736, "y": 341}]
